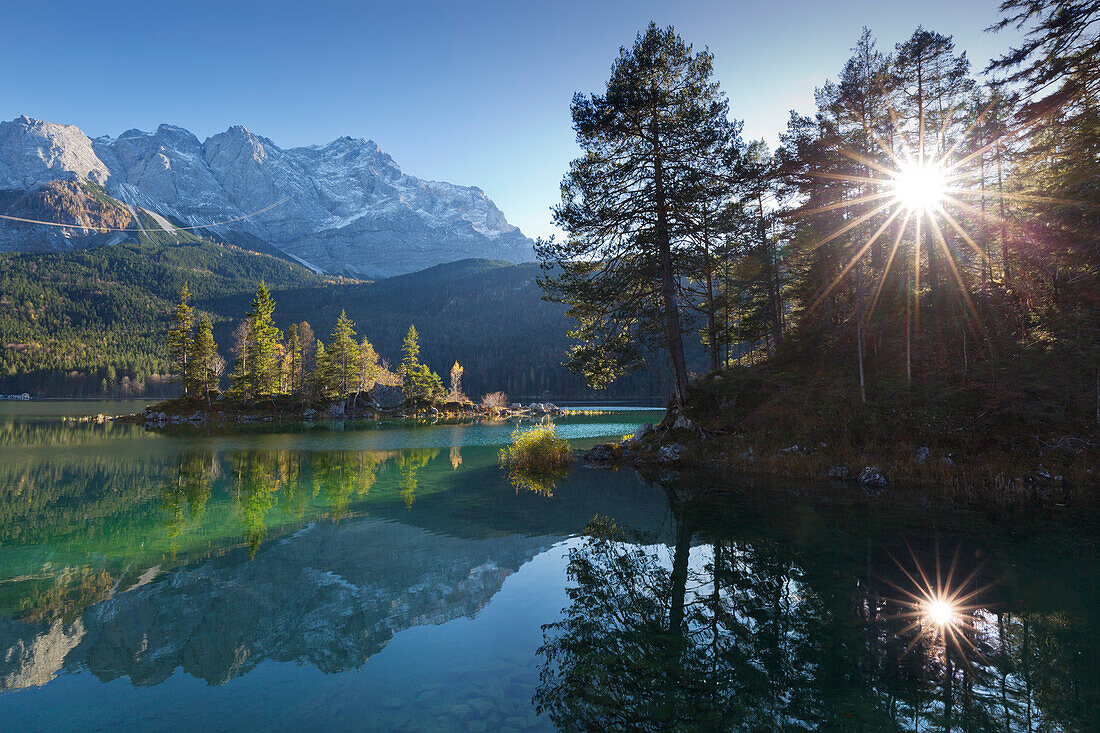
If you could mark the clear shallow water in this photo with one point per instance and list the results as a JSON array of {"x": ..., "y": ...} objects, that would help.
[{"x": 391, "y": 577}]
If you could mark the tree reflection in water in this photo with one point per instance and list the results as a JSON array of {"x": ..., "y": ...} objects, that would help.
[
  {"x": 708, "y": 629},
  {"x": 257, "y": 481},
  {"x": 260, "y": 481},
  {"x": 537, "y": 482},
  {"x": 184, "y": 497},
  {"x": 344, "y": 475},
  {"x": 408, "y": 463}
]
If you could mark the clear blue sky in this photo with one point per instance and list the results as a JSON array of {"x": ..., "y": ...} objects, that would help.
[{"x": 470, "y": 92}]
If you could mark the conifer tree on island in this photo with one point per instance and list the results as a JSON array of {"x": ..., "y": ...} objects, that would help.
[
  {"x": 179, "y": 337},
  {"x": 292, "y": 361},
  {"x": 204, "y": 367},
  {"x": 343, "y": 355},
  {"x": 419, "y": 382},
  {"x": 309, "y": 344},
  {"x": 321, "y": 378},
  {"x": 423, "y": 384},
  {"x": 239, "y": 386},
  {"x": 369, "y": 367},
  {"x": 267, "y": 366},
  {"x": 263, "y": 346},
  {"x": 628, "y": 205},
  {"x": 410, "y": 353}
]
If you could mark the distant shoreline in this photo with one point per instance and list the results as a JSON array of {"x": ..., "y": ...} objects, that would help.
[{"x": 644, "y": 403}]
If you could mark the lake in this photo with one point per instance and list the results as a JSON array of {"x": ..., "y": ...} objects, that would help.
[{"x": 393, "y": 577}]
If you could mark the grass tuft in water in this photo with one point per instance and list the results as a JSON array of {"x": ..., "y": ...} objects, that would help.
[
  {"x": 537, "y": 449},
  {"x": 536, "y": 459}
]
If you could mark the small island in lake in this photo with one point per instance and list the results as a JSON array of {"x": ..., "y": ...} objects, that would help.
[{"x": 294, "y": 377}]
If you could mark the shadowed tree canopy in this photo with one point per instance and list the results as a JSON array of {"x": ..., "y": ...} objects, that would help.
[
  {"x": 630, "y": 205},
  {"x": 1061, "y": 48},
  {"x": 204, "y": 366},
  {"x": 263, "y": 348},
  {"x": 344, "y": 355}
]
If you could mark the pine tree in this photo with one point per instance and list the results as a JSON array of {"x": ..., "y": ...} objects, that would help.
[
  {"x": 263, "y": 365},
  {"x": 179, "y": 337},
  {"x": 321, "y": 379},
  {"x": 343, "y": 356},
  {"x": 292, "y": 361},
  {"x": 418, "y": 381},
  {"x": 369, "y": 366},
  {"x": 309, "y": 344},
  {"x": 202, "y": 373},
  {"x": 628, "y": 206},
  {"x": 422, "y": 384},
  {"x": 240, "y": 386},
  {"x": 1060, "y": 53},
  {"x": 933, "y": 81},
  {"x": 410, "y": 363}
]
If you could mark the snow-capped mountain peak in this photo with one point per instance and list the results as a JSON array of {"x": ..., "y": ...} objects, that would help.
[{"x": 349, "y": 207}]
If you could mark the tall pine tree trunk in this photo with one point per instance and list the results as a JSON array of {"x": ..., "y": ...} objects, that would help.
[
  {"x": 712, "y": 323},
  {"x": 772, "y": 274},
  {"x": 668, "y": 279},
  {"x": 1004, "y": 233}
]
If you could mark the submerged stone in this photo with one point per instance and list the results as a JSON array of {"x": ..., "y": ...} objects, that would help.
[{"x": 872, "y": 478}]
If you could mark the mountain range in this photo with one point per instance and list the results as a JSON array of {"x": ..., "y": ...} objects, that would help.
[{"x": 341, "y": 208}]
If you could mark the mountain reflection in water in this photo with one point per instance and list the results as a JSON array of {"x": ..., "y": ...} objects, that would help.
[{"x": 412, "y": 585}]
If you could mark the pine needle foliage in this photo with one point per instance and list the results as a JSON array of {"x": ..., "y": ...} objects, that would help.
[{"x": 179, "y": 337}]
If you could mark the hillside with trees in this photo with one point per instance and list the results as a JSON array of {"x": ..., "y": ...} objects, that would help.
[
  {"x": 91, "y": 323},
  {"x": 914, "y": 272}
]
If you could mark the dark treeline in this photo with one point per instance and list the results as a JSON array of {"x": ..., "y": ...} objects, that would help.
[
  {"x": 91, "y": 323},
  {"x": 927, "y": 224},
  {"x": 489, "y": 316}
]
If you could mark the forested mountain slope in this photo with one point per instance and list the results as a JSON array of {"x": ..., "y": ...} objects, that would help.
[
  {"x": 70, "y": 320},
  {"x": 93, "y": 322}
]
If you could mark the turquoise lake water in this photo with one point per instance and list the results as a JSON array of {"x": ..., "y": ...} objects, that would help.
[{"x": 393, "y": 577}]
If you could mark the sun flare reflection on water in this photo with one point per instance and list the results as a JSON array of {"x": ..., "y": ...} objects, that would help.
[
  {"x": 941, "y": 607},
  {"x": 940, "y": 612}
]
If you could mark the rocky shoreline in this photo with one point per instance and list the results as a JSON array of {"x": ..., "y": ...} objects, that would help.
[
  {"x": 680, "y": 444},
  {"x": 380, "y": 403}
]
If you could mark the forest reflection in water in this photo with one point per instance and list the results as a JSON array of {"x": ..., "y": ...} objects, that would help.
[
  {"x": 689, "y": 604},
  {"x": 741, "y": 626},
  {"x": 259, "y": 480}
]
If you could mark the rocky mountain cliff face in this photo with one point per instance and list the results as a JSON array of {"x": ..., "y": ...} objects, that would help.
[
  {"x": 76, "y": 202},
  {"x": 348, "y": 207}
]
